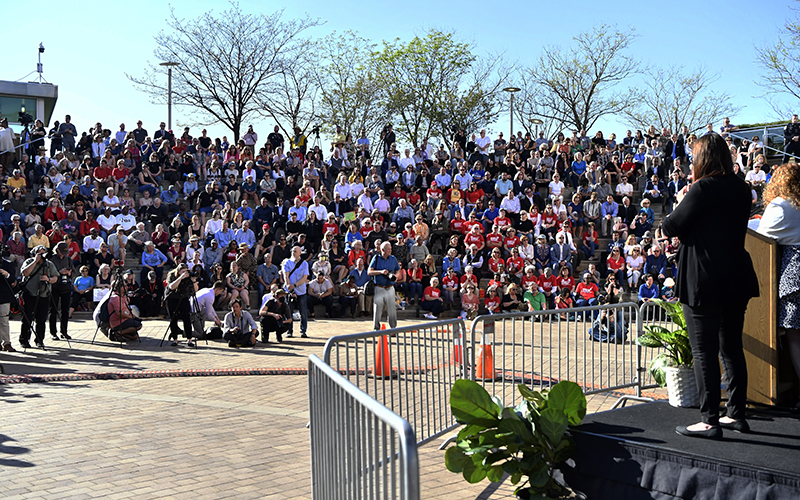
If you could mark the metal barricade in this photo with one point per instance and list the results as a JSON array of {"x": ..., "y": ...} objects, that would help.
[
  {"x": 408, "y": 370},
  {"x": 542, "y": 348},
  {"x": 651, "y": 314},
  {"x": 359, "y": 448}
]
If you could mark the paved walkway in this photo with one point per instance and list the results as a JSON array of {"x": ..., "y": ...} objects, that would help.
[{"x": 173, "y": 437}]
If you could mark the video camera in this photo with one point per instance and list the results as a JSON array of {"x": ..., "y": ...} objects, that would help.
[
  {"x": 25, "y": 119},
  {"x": 315, "y": 130}
]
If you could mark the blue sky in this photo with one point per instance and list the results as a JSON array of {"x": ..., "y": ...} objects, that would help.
[{"x": 89, "y": 48}]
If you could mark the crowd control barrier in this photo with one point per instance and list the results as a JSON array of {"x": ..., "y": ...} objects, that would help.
[{"x": 359, "y": 448}]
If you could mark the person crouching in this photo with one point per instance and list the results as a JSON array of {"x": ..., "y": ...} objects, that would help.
[{"x": 240, "y": 328}]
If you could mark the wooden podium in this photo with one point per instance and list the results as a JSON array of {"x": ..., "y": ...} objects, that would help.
[{"x": 769, "y": 381}]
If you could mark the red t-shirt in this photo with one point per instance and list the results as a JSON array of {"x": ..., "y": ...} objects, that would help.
[
  {"x": 470, "y": 223},
  {"x": 492, "y": 303},
  {"x": 365, "y": 230},
  {"x": 473, "y": 239},
  {"x": 432, "y": 292},
  {"x": 413, "y": 198},
  {"x": 474, "y": 196},
  {"x": 564, "y": 303},
  {"x": 589, "y": 237},
  {"x": 450, "y": 281},
  {"x": 414, "y": 274},
  {"x": 515, "y": 262},
  {"x": 434, "y": 193},
  {"x": 494, "y": 240},
  {"x": 119, "y": 173},
  {"x": 333, "y": 228},
  {"x": 457, "y": 225},
  {"x": 394, "y": 195},
  {"x": 409, "y": 234},
  {"x": 547, "y": 284},
  {"x": 502, "y": 221},
  {"x": 615, "y": 265},
  {"x": 587, "y": 291},
  {"x": 494, "y": 264},
  {"x": 549, "y": 218},
  {"x": 568, "y": 282},
  {"x": 527, "y": 280},
  {"x": 511, "y": 242},
  {"x": 471, "y": 278}
]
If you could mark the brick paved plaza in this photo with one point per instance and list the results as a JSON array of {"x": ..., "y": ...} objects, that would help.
[{"x": 175, "y": 437}]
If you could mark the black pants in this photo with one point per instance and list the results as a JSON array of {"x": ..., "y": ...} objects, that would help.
[
  {"x": 270, "y": 324},
  {"x": 36, "y": 310},
  {"x": 325, "y": 301},
  {"x": 792, "y": 148},
  {"x": 713, "y": 331},
  {"x": 179, "y": 309},
  {"x": 62, "y": 303}
]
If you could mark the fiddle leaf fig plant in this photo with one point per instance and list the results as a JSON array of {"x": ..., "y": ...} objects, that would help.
[
  {"x": 526, "y": 441},
  {"x": 678, "y": 350}
]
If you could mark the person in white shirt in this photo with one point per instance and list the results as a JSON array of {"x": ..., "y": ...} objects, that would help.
[
  {"x": 126, "y": 220},
  {"x": 406, "y": 160},
  {"x": 343, "y": 187},
  {"x": 444, "y": 180},
  {"x": 365, "y": 202},
  {"x": 92, "y": 242},
  {"x": 556, "y": 187},
  {"x": 319, "y": 209},
  {"x": 107, "y": 221},
  {"x": 382, "y": 204},
  {"x": 205, "y": 302},
  {"x": 482, "y": 143},
  {"x": 510, "y": 203},
  {"x": 624, "y": 188},
  {"x": 463, "y": 177}
]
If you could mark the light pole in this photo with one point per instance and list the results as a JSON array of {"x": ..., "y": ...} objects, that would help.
[
  {"x": 512, "y": 91},
  {"x": 169, "y": 65}
]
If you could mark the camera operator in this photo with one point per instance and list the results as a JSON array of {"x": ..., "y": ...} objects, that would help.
[
  {"x": 124, "y": 325},
  {"x": 39, "y": 274},
  {"x": 62, "y": 290},
  {"x": 205, "y": 302},
  {"x": 383, "y": 268},
  {"x": 295, "y": 276},
  {"x": 276, "y": 316},
  {"x": 240, "y": 328},
  {"x": 8, "y": 274},
  {"x": 180, "y": 286}
]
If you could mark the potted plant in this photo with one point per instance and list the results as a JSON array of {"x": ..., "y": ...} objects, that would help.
[
  {"x": 673, "y": 367},
  {"x": 526, "y": 441}
]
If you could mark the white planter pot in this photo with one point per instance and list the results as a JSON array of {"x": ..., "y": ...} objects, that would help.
[{"x": 682, "y": 387}]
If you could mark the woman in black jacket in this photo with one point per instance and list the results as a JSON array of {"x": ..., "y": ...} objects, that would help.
[{"x": 715, "y": 281}]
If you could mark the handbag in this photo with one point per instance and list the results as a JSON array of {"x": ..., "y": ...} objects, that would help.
[{"x": 369, "y": 288}]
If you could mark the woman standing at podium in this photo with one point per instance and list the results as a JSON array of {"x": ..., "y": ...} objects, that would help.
[
  {"x": 781, "y": 221},
  {"x": 711, "y": 222}
]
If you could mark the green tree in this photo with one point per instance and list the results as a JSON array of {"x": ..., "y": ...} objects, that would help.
[
  {"x": 227, "y": 62},
  {"x": 672, "y": 98},
  {"x": 581, "y": 84},
  {"x": 434, "y": 82},
  {"x": 350, "y": 94}
]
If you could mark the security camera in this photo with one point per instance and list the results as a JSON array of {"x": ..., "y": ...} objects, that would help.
[{"x": 41, "y": 48}]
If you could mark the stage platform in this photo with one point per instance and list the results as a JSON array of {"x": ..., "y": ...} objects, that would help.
[{"x": 634, "y": 453}]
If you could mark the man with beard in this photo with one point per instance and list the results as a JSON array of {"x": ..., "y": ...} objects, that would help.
[{"x": 40, "y": 275}]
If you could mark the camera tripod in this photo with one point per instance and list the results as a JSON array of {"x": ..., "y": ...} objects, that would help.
[{"x": 193, "y": 304}]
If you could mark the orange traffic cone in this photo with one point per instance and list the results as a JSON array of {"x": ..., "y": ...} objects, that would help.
[
  {"x": 383, "y": 361},
  {"x": 458, "y": 349},
  {"x": 484, "y": 369}
]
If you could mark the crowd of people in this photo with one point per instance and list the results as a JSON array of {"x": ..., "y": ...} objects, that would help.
[{"x": 478, "y": 225}]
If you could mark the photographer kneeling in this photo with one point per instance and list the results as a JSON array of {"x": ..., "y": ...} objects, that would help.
[
  {"x": 124, "y": 326},
  {"x": 240, "y": 328},
  {"x": 276, "y": 316}
]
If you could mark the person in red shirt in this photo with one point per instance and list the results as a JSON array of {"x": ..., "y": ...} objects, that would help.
[
  {"x": 502, "y": 220},
  {"x": 450, "y": 286},
  {"x": 102, "y": 176},
  {"x": 366, "y": 228},
  {"x": 457, "y": 224},
  {"x": 549, "y": 285},
  {"x": 455, "y": 193},
  {"x": 494, "y": 239},
  {"x": 356, "y": 253},
  {"x": 397, "y": 194},
  {"x": 590, "y": 241},
  {"x": 121, "y": 174},
  {"x": 414, "y": 199},
  {"x": 616, "y": 264},
  {"x": 87, "y": 225},
  {"x": 473, "y": 194},
  {"x": 528, "y": 278},
  {"x": 474, "y": 237},
  {"x": 511, "y": 240},
  {"x": 515, "y": 263},
  {"x": 549, "y": 222},
  {"x": 492, "y": 301},
  {"x": 587, "y": 293},
  {"x": 495, "y": 261},
  {"x": 434, "y": 194},
  {"x": 432, "y": 299},
  {"x": 469, "y": 277},
  {"x": 565, "y": 280},
  {"x": 331, "y": 226},
  {"x": 473, "y": 222},
  {"x": 564, "y": 301}
]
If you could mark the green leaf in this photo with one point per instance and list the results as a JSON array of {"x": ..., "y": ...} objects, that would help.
[
  {"x": 515, "y": 477},
  {"x": 553, "y": 424},
  {"x": 529, "y": 394},
  {"x": 470, "y": 401},
  {"x": 564, "y": 450},
  {"x": 454, "y": 459},
  {"x": 495, "y": 474},
  {"x": 517, "y": 427},
  {"x": 539, "y": 476},
  {"x": 568, "y": 398},
  {"x": 650, "y": 340},
  {"x": 657, "y": 366},
  {"x": 473, "y": 473}
]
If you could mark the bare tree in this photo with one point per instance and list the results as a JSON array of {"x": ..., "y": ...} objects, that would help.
[
  {"x": 291, "y": 97},
  {"x": 781, "y": 64},
  {"x": 671, "y": 98},
  {"x": 580, "y": 85},
  {"x": 226, "y": 62},
  {"x": 350, "y": 94},
  {"x": 530, "y": 105}
]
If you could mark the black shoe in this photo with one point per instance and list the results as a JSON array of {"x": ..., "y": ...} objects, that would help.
[
  {"x": 25, "y": 344},
  {"x": 710, "y": 433},
  {"x": 65, "y": 336},
  {"x": 231, "y": 344},
  {"x": 40, "y": 345},
  {"x": 737, "y": 426},
  {"x": 174, "y": 343},
  {"x": 54, "y": 336},
  {"x": 290, "y": 335},
  {"x": 280, "y": 339},
  {"x": 303, "y": 335}
]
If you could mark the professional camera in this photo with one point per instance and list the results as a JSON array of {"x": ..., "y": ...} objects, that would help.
[
  {"x": 25, "y": 119},
  {"x": 315, "y": 130},
  {"x": 5, "y": 251},
  {"x": 391, "y": 277},
  {"x": 195, "y": 272}
]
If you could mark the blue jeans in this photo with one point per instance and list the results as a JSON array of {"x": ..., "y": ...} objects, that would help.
[
  {"x": 590, "y": 247},
  {"x": 148, "y": 187},
  {"x": 302, "y": 306}
]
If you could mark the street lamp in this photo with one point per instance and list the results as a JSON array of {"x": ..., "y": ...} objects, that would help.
[
  {"x": 537, "y": 122},
  {"x": 169, "y": 65},
  {"x": 512, "y": 91}
]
